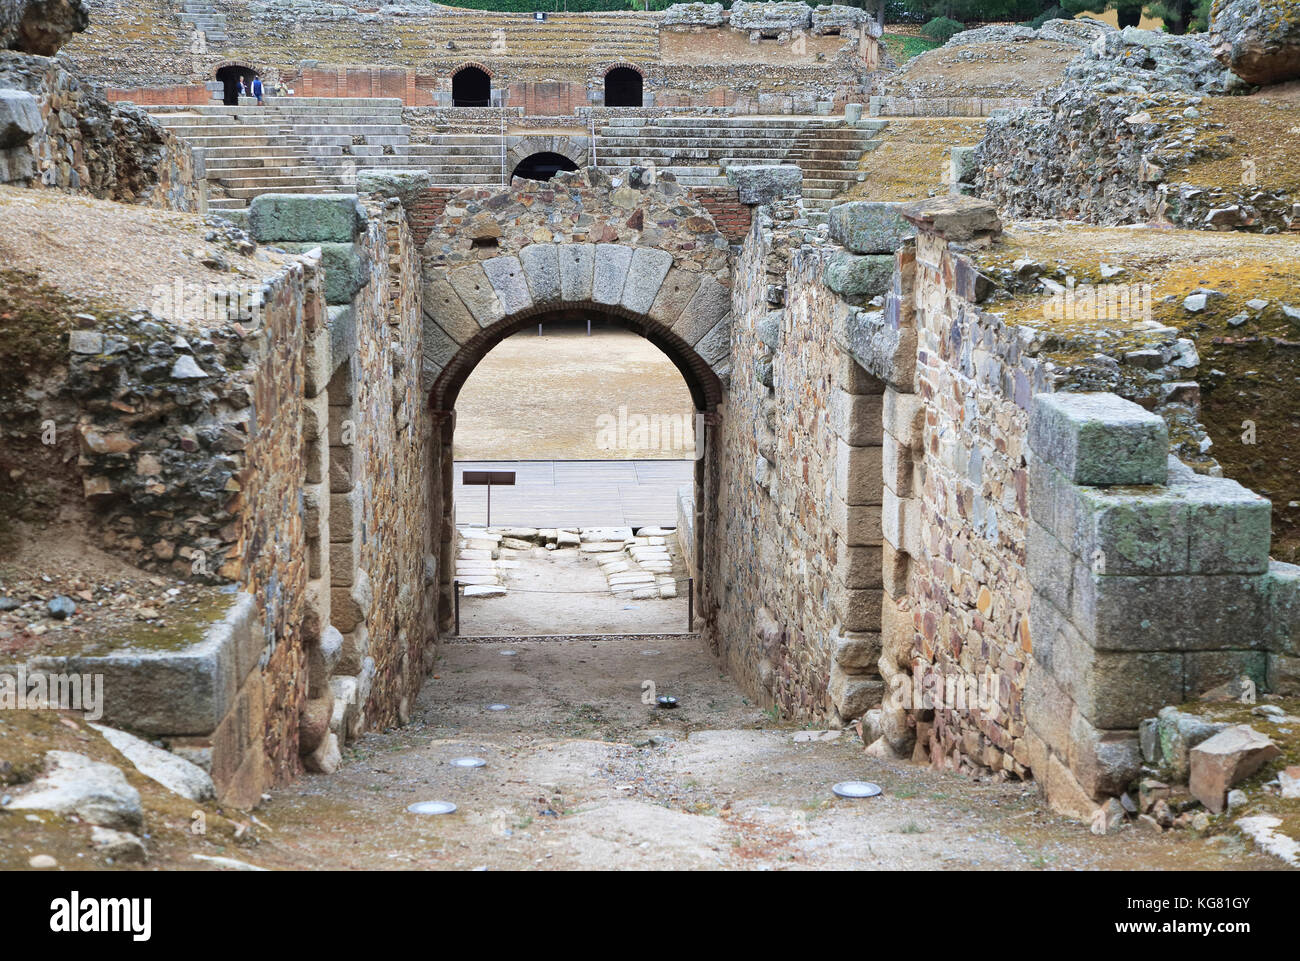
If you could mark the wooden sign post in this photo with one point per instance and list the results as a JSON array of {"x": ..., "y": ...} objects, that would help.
[{"x": 486, "y": 478}]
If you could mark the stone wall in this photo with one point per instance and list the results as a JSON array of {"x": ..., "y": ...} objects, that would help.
[
  {"x": 282, "y": 451},
  {"x": 59, "y": 131},
  {"x": 550, "y": 67},
  {"x": 1042, "y": 550},
  {"x": 798, "y": 550},
  {"x": 1111, "y": 158}
]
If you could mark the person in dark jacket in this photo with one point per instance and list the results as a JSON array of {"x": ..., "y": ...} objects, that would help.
[{"x": 257, "y": 91}]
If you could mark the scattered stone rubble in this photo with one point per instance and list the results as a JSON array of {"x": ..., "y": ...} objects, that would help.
[{"x": 637, "y": 566}]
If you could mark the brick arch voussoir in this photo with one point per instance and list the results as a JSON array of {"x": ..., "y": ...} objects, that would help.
[{"x": 471, "y": 63}]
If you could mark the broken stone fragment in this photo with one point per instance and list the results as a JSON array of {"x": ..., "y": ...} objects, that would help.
[
  {"x": 171, "y": 771},
  {"x": 186, "y": 368},
  {"x": 75, "y": 785},
  {"x": 1225, "y": 760}
]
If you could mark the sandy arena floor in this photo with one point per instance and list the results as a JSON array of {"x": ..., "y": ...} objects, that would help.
[{"x": 540, "y": 398}]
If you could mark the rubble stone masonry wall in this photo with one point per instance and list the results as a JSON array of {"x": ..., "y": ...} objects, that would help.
[
  {"x": 61, "y": 132},
  {"x": 799, "y": 514},
  {"x": 283, "y": 453}
]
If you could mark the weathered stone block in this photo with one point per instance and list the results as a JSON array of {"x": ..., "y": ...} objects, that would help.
[
  {"x": 577, "y": 268},
  {"x": 306, "y": 218},
  {"x": 476, "y": 292},
  {"x": 1227, "y": 759},
  {"x": 1203, "y": 670},
  {"x": 897, "y": 466},
  {"x": 1129, "y": 533},
  {"x": 405, "y": 185},
  {"x": 506, "y": 275},
  {"x": 855, "y": 525},
  {"x": 610, "y": 273},
  {"x": 856, "y": 652},
  {"x": 765, "y": 183},
  {"x": 869, "y": 227},
  {"x": 1050, "y": 566},
  {"x": 20, "y": 118},
  {"x": 852, "y": 695},
  {"x": 1176, "y": 734},
  {"x": 858, "y": 610},
  {"x": 1099, "y": 439},
  {"x": 1230, "y": 527},
  {"x": 645, "y": 275},
  {"x": 1151, "y": 613},
  {"x": 858, "y": 474},
  {"x": 858, "y": 567},
  {"x": 710, "y": 303},
  {"x": 956, "y": 219},
  {"x": 886, "y": 352},
  {"x": 854, "y": 378},
  {"x": 346, "y": 271},
  {"x": 1103, "y": 762},
  {"x": 856, "y": 418},
  {"x": 894, "y": 569},
  {"x": 542, "y": 271},
  {"x": 859, "y": 276},
  {"x": 902, "y": 416}
]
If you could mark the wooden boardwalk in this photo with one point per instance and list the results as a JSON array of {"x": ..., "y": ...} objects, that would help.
[{"x": 576, "y": 493}]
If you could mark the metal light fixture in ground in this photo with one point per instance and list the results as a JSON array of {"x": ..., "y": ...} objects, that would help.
[
  {"x": 467, "y": 762},
  {"x": 498, "y": 707},
  {"x": 666, "y": 701},
  {"x": 507, "y": 653},
  {"x": 856, "y": 789},
  {"x": 431, "y": 807}
]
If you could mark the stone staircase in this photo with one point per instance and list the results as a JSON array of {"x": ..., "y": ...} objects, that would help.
[
  {"x": 698, "y": 150},
  {"x": 293, "y": 144},
  {"x": 316, "y": 144},
  {"x": 202, "y": 15}
]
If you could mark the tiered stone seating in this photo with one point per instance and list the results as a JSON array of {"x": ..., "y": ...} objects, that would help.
[
  {"x": 698, "y": 150},
  {"x": 317, "y": 143}
]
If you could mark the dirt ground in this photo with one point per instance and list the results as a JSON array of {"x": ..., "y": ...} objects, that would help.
[
  {"x": 581, "y": 774},
  {"x": 1018, "y": 70},
  {"x": 539, "y": 398},
  {"x": 912, "y": 161},
  {"x": 564, "y": 592}
]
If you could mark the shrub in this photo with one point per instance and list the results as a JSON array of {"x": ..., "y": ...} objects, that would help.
[{"x": 942, "y": 29}]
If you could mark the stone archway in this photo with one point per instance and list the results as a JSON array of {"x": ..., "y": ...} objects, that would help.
[
  {"x": 230, "y": 73},
  {"x": 520, "y": 150},
  {"x": 644, "y": 254},
  {"x": 471, "y": 86}
]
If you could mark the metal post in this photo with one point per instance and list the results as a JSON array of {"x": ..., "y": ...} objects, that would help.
[
  {"x": 455, "y": 590},
  {"x": 489, "y": 510},
  {"x": 690, "y": 605}
]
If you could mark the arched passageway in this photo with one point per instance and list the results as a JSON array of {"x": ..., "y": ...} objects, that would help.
[
  {"x": 471, "y": 87},
  {"x": 543, "y": 166},
  {"x": 684, "y": 465},
  {"x": 623, "y": 88},
  {"x": 230, "y": 77}
]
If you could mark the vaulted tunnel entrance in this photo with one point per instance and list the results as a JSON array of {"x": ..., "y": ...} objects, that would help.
[
  {"x": 543, "y": 166},
  {"x": 623, "y": 88},
  {"x": 471, "y": 87},
  {"x": 598, "y": 532}
]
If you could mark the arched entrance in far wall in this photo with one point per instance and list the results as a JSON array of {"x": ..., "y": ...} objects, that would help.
[
  {"x": 230, "y": 75},
  {"x": 624, "y": 88},
  {"x": 471, "y": 86}
]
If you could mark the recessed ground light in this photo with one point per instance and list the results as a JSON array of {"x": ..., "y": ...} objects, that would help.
[
  {"x": 666, "y": 701},
  {"x": 651, "y": 653},
  {"x": 856, "y": 789},
  {"x": 431, "y": 807},
  {"x": 507, "y": 653},
  {"x": 467, "y": 762},
  {"x": 498, "y": 707}
]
